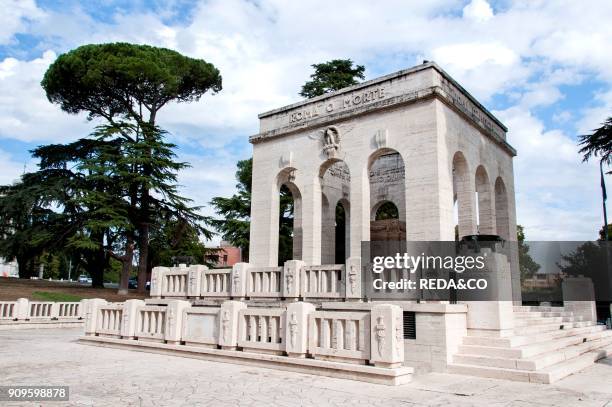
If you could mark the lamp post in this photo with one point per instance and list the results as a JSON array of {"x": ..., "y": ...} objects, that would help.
[{"x": 604, "y": 197}]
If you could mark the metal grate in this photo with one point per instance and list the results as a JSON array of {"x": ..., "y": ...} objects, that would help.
[{"x": 409, "y": 325}]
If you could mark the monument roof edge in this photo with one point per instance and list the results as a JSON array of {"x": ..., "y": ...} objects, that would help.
[
  {"x": 417, "y": 68},
  {"x": 349, "y": 89},
  {"x": 469, "y": 95}
]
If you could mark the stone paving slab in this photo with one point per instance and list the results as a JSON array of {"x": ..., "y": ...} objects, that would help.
[{"x": 114, "y": 377}]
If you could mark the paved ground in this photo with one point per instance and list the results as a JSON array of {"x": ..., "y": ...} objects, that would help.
[{"x": 112, "y": 377}]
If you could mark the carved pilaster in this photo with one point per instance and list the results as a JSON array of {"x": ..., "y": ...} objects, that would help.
[
  {"x": 228, "y": 323},
  {"x": 292, "y": 271},
  {"x": 296, "y": 324},
  {"x": 387, "y": 343},
  {"x": 174, "y": 320}
]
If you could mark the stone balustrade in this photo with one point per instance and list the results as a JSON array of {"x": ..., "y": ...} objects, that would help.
[
  {"x": 325, "y": 281},
  {"x": 39, "y": 309},
  {"x": 7, "y": 310},
  {"x": 291, "y": 281},
  {"x": 261, "y": 330},
  {"x": 68, "y": 310},
  {"x": 355, "y": 337},
  {"x": 340, "y": 336},
  {"x": 216, "y": 283},
  {"x": 150, "y": 323},
  {"x": 26, "y": 310},
  {"x": 109, "y": 319},
  {"x": 174, "y": 283},
  {"x": 265, "y": 282}
]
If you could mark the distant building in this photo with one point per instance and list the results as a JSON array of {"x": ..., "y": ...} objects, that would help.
[
  {"x": 226, "y": 255},
  {"x": 543, "y": 280},
  {"x": 8, "y": 269}
]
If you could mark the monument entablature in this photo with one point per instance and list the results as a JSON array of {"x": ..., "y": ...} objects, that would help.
[{"x": 387, "y": 92}]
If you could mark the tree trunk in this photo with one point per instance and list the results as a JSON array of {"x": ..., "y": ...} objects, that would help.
[
  {"x": 143, "y": 255},
  {"x": 96, "y": 270},
  {"x": 97, "y": 261},
  {"x": 22, "y": 267},
  {"x": 126, "y": 266}
]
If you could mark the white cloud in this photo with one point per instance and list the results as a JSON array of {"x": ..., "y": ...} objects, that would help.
[
  {"x": 593, "y": 117},
  {"x": 540, "y": 95},
  {"x": 15, "y": 17},
  {"x": 25, "y": 112},
  {"x": 468, "y": 56},
  {"x": 10, "y": 169},
  {"x": 562, "y": 117},
  {"x": 557, "y": 195},
  {"x": 478, "y": 10}
]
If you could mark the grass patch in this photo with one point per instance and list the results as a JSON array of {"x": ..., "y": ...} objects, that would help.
[{"x": 57, "y": 297}]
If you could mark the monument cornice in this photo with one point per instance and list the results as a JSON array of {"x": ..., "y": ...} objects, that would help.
[
  {"x": 382, "y": 79},
  {"x": 444, "y": 95}
]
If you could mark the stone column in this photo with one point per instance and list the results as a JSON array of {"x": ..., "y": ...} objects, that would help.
[
  {"x": 91, "y": 315},
  {"x": 328, "y": 231},
  {"x": 22, "y": 309},
  {"x": 156, "y": 281},
  {"x": 194, "y": 280},
  {"x": 129, "y": 317},
  {"x": 311, "y": 221},
  {"x": 296, "y": 328},
  {"x": 292, "y": 272},
  {"x": 228, "y": 324},
  {"x": 386, "y": 336},
  {"x": 174, "y": 321},
  {"x": 579, "y": 297},
  {"x": 352, "y": 274},
  {"x": 239, "y": 281},
  {"x": 360, "y": 209},
  {"x": 263, "y": 249}
]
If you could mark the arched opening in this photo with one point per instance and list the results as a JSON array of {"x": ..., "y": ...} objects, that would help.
[
  {"x": 387, "y": 196},
  {"x": 290, "y": 218},
  {"x": 335, "y": 211},
  {"x": 385, "y": 210},
  {"x": 502, "y": 219},
  {"x": 342, "y": 228},
  {"x": 463, "y": 196},
  {"x": 484, "y": 201}
]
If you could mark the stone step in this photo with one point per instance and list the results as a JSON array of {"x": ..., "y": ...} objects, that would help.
[
  {"x": 532, "y": 308},
  {"x": 514, "y": 341},
  {"x": 491, "y": 351},
  {"x": 529, "y": 349},
  {"x": 539, "y": 321},
  {"x": 544, "y": 360},
  {"x": 560, "y": 343},
  {"x": 564, "y": 369},
  {"x": 539, "y": 361},
  {"x": 536, "y": 329},
  {"x": 549, "y": 374},
  {"x": 538, "y": 314}
]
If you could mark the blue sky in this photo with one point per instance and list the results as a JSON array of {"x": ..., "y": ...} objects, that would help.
[{"x": 543, "y": 68}]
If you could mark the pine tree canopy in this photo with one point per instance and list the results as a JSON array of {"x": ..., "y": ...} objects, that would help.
[
  {"x": 118, "y": 79},
  {"x": 331, "y": 76},
  {"x": 598, "y": 143}
]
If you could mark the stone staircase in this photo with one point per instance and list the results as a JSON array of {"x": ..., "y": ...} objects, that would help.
[{"x": 547, "y": 344}]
